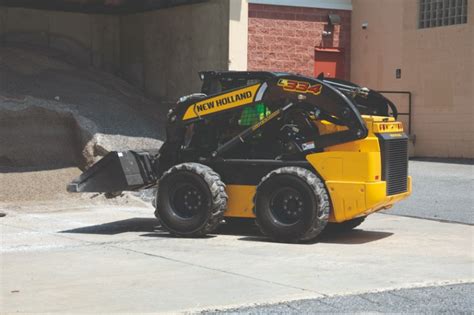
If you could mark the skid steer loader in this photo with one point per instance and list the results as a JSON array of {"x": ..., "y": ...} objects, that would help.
[{"x": 293, "y": 152}]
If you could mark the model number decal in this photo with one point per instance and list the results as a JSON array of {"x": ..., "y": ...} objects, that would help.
[{"x": 300, "y": 86}]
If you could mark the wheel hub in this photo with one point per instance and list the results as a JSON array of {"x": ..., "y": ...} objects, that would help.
[
  {"x": 187, "y": 200},
  {"x": 192, "y": 200},
  {"x": 292, "y": 205},
  {"x": 287, "y": 205}
]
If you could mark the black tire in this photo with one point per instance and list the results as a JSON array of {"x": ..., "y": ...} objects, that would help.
[
  {"x": 190, "y": 200},
  {"x": 291, "y": 204},
  {"x": 345, "y": 226}
]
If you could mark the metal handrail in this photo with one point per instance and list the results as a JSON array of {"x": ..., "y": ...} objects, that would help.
[{"x": 409, "y": 105}]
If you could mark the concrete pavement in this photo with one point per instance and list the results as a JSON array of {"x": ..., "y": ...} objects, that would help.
[{"x": 99, "y": 258}]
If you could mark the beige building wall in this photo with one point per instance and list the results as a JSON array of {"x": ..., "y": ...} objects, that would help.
[{"x": 436, "y": 66}]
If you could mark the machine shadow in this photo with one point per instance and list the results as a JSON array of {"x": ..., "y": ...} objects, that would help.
[
  {"x": 150, "y": 226},
  {"x": 250, "y": 232},
  {"x": 246, "y": 228},
  {"x": 353, "y": 237},
  {"x": 117, "y": 227}
]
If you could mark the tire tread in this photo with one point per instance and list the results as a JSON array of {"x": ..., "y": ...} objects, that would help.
[
  {"x": 320, "y": 192},
  {"x": 218, "y": 193}
]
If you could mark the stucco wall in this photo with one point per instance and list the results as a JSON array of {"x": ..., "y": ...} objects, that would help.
[
  {"x": 164, "y": 50},
  {"x": 436, "y": 66},
  {"x": 283, "y": 38},
  {"x": 90, "y": 38}
]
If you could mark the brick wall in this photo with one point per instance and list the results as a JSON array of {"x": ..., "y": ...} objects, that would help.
[{"x": 283, "y": 38}]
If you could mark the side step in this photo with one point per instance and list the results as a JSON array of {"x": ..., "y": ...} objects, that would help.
[{"x": 118, "y": 171}]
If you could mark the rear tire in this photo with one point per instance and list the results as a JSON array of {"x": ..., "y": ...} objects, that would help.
[
  {"x": 291, "y": 204},
  {"x": 191, "y": 200}
]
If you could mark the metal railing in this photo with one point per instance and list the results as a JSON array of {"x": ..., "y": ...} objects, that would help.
[{"x": 409, "y": 105}]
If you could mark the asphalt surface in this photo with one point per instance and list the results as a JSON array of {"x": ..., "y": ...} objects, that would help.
[
  {"x": 451, "y": 299},
  {"x": 441, "y": 191}
]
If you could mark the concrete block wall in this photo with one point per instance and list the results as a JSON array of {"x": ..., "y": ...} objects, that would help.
[
  {"x": 283, "y": 38},
  {"x": 437, "y": 66}
]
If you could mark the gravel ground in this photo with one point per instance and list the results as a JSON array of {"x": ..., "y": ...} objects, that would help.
[
  {"x": 451, "y": 299},
  {"x": 42, "y": 185},
  {"x": 46, "y": 189}
]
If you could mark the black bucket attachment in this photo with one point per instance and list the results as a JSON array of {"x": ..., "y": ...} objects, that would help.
[{"x": 118, "y": 171}]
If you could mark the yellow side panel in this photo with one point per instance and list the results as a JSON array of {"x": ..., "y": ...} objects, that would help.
[
  {"x": 347, "y": 166},
  {"x": 346, "y": 174},
  {"x": 374, "y": 194},
  {"x": 354, "y": 199},
  {"x": 369, "y": 144},
  {"x": 240, "y": 202},
  {"x": 348, "y": 199}
]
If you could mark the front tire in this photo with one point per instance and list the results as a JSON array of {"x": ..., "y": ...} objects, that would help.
[
  {"x": 291, "y": 204},
  {"x": 191, "y": 200}
]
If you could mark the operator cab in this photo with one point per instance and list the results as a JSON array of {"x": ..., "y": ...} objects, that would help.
[
  {"x": 277, "y": 141},
  {"x": 289, "y": 137}
]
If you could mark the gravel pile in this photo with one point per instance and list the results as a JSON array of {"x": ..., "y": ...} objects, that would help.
[
  {"x": 56, "y": 116},
  {"x": 108, "y": 113}
]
